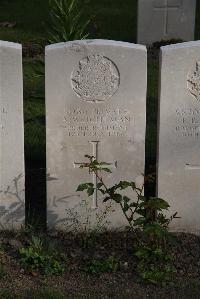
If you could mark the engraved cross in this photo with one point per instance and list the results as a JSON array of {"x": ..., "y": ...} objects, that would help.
[
  {"x": 167, "y": 7},
  {"x": 94, "y": 177}
]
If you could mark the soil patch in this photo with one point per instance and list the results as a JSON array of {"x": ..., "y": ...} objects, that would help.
[{"x": 79, "y": 282}]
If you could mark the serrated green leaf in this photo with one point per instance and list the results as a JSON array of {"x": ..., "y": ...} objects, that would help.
[
  {"x": 84, "y": 186},
  {"x": 139, "y": 221},
  {"x": 104, "y": 163},
  {"x": 156, "y": 204},
  {"x": 130, "y": 218},
  {"x": 95, "y": 163},
  {"x": 90, "y": 191},
  {"x": 133, "y": 185},
  {"x": 126, "y": 199},
  {"x": 117, "y": 197},
  {"x": 106, "y": 170},
  {"x": 125, "y": 207},
  {"x": 124, "y": 184},
  {"x": 99, "y": 185},
  {"x": 102, "y": 191},
  {"x": 142, "y": 197},
  {"x": 133, "y": 205},
  {"x": 106, "y": 199},
  {"x": 156, "y": 229}
]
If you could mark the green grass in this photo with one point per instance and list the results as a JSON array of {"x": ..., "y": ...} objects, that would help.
[
  {"x": 115, "y": 20},
  {"x": 30, "y": 17},
  {"x": 34, "y": 112},
  {"x": 112, "y": 19}
]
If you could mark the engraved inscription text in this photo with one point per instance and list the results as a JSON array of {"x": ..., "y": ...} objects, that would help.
[
  {"x": 188, "y": 122},
  {"x": 96, "y": 122}
]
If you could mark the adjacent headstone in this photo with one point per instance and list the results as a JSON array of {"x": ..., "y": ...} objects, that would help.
[
  {"x": 179, "y": 133},
  {"x": 12, "y": 204},
  {"x": 165, "y": 19},
  {"x": 95, "y": 105}
]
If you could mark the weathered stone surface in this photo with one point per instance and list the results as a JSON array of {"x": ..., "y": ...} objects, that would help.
[
  {"x": 12, "y": 206},
  {"x": 179, "y": 134},
  {"x": 95, "y": 104},
  {"x": 165, "y": 19}
]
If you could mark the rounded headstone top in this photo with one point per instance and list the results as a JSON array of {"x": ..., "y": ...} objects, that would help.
[
  {"x": 10, "y": 45},
  {"x": 97, "y": 42}
]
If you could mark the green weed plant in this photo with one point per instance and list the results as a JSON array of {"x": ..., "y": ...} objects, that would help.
[
  {"x": 41, "y": 258},
  {"x": 67, "y": 21},
  {"x": 110, "y": 264},
  {"x": 146, "y": 217}
]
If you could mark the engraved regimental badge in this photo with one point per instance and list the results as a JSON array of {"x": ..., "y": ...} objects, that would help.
[
  {"x": 193, "y": 81},
  {"x": 95, "y": 79}
]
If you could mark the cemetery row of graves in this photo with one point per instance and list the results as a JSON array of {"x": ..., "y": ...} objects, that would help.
[
  {"x": 96, "y": 119},
  {"x": 96, "y": 106}
]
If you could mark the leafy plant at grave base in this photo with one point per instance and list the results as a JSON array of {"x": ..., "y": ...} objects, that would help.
[
  {"x": 40, "y": 257},
  {"x": 67, "y": 21},
  {"x": 144, "y": 213},
  {"x": 110, "y": 264},
  {"x": 87, "y": 221},
  {"x": 155, "y": 264}
]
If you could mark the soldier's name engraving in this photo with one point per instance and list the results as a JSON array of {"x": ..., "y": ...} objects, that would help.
[
  {"x": 96, "y": 122},
  {"x": 188, "y": 122}
]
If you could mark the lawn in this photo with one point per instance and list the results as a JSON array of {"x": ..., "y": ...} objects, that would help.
[{"x": 111, "y": 19}]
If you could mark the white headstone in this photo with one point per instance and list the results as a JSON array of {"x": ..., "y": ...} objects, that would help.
[
  {"x": 95, "y": 104},
  {"x": 179, "y": 135},
  {"x": 165, "y": 19},
  {"x": 12, "y": 205}
]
